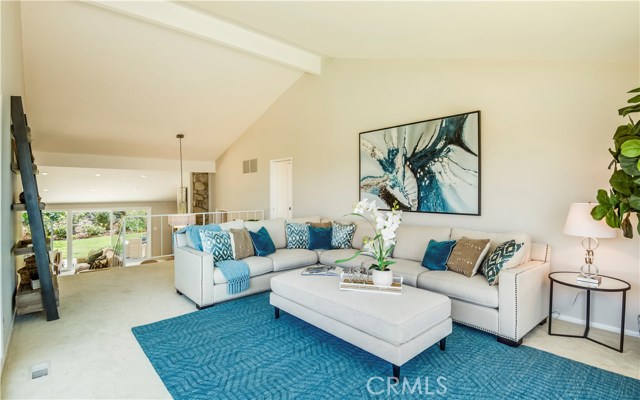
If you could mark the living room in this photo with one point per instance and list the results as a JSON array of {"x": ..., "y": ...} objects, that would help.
[{"x": 547, "y": 78}]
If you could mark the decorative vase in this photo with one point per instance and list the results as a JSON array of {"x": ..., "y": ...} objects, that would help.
[{"x": 382, "y": 278}]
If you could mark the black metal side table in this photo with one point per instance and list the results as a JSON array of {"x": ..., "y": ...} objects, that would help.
[{"x": 608, "y": 284}]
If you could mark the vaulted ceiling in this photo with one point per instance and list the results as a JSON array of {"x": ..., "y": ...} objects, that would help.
[{"x": 123, "y": 78}]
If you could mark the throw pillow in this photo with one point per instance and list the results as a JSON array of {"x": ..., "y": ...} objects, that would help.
[
  {"x": 319, "y": 238},
  {"x": 217, "y": 244},
  {"x": 467, "y": 256},
  {"x": 193, "y": 234},
  {"x": 297, "y": 236},
  {"x": 320, "y": 224},
  {"x": 262, "y": 243},
  {"x": 341, "y": 235},
  {"x": 241, "y": 243},
  {"x": 498, "y": 259},
  {"x": 437, "y": 253}
]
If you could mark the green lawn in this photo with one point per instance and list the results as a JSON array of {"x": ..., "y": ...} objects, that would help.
[{"x": 81, "y": 247}]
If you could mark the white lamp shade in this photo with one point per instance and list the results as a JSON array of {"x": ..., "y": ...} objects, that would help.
[
  {"x": 180, "y": 220},
  {"x": 580, "y": 223}
]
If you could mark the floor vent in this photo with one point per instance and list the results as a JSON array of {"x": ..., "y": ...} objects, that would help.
[{"x": 39, "y": 370}]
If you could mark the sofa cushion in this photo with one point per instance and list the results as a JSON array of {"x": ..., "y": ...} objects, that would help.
[
  {"x": 241, "y": 243},
  {"x": 497, "y": 239},
  {"x": 408, "y": 270},
  {"x": 319, "y": 238},
  {"x": 257, "y": 266},
  {"x": 297, "y": 236},
  {"x": 284, "y": 259},
  {"x": 474, "y": 290},
  {"x": 275, "y": 227},
  {"x": 305, "y": 220},
  {"x": 437, "y": 253},
  {"x": 363, "y": 230},
  {"x": 505, "y": 256},
  {"x": 411, "y": 241},
  {"x": 342, "y": 235},
  {"x": 467, "y": 256},
  {"x": 329, "y": 257},
  {"x": 236, "y": 224},
  {"x": 217, "y": 244},
  {"x": 262, "y": 243}
]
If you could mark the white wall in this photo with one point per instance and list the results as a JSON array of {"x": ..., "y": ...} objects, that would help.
[
  {"x": 11, "y": 84},
  {"x": 546, "y": 127}
]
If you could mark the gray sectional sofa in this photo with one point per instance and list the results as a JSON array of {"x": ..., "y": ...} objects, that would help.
[{"x": 508, "y": 310}]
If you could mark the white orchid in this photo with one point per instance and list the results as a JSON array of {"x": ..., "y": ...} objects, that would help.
[{"x": 384, "y": 225}]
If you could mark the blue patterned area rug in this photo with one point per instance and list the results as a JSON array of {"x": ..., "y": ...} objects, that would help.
[{"x": 237, "y": 350}]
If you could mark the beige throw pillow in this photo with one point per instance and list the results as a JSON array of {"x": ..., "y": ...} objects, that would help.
[
  {"x": 241, "y": 243},
  {"x": 467, "y": 255}
]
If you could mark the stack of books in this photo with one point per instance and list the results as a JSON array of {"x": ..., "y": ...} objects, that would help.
[{"x": 588, "y": 281}]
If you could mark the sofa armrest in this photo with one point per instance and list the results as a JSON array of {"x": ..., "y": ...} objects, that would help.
[
  {"x": 193, "y": 271},
  {"x": 523, "y": 294}
]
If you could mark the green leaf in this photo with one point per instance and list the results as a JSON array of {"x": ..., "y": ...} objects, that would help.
[
  {"x": 612, "y": 219},
  {"x": 631, "y": 148},
  {"x": 602, "y": 197},
  {"x": 622, "y": 130},
  {"x": 630, "y": 165},
  {"x": 634, "y": 99},
  {"x": 638, "y": 216},
  {"x": 624, "y": 111},
  {"x": 634, "y": 202},
  {"x": 614, "y": 200},
  {"x": 636, "y": 90},
  {"x": 599, "y": 212},
  {"x": 638, "y": 166},
  {"x": 621, "y": 182}
]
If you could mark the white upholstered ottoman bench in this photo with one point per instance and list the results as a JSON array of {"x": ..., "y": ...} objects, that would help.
[{"x": 395, "y": 328}]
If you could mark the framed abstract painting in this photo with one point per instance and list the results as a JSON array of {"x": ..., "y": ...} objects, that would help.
[{"x": 430, "y": 166}]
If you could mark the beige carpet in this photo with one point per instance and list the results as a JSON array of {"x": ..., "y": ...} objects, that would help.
[{"x": 93, "y": 354}]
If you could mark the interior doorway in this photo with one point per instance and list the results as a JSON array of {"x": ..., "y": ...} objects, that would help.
[{"x": 281, "y": 190}]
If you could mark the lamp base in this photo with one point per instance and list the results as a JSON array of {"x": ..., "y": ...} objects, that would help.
[{"x": 587, "y": 272}]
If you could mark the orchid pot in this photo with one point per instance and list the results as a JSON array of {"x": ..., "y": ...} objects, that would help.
[{"x": 382, "y": 278}]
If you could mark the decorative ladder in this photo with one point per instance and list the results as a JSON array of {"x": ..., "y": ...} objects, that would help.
[{"x": 22, "y": 137}]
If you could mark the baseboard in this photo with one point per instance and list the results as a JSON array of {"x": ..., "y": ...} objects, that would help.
[
  {"x": 609, "y": 328},
  {"x": 3, "y": 356}
]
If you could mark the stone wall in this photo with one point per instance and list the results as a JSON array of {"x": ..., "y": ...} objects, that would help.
[{"x": 200, "y": 184}]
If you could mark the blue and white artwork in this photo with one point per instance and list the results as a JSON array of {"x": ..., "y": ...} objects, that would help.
[{"x": 430, "y": 166}]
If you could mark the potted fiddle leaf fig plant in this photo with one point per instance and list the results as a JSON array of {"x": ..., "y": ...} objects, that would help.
[{"x": 623, "y": 198}]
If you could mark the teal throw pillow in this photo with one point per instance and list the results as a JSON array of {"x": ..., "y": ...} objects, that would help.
[
  {"x": 341, "y": 235},
  {"x": 437, "y": 253},
  {"x": 297, "y": 236},
  {"x": 217, "y": 243},
  {"x": 319, "y": 238},
  {"x": 496, "y": 261},
  {"x": 262, "y": 243}
]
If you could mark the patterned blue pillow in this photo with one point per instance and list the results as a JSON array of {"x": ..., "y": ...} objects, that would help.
[
  {"x": 341, "y": 235},
  {"x": 297, "y": 236},
  {"x": 493, "y": 264},
  {"x": 218, "y": 244}
]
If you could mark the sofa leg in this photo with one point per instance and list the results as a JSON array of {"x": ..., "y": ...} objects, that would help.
[
  {"x": 203, "y": 307},
  {"x": 276, "y": 312},
  {"x": 396, "y": 372},
  {"x": 179, "y": 292},
  {"x": 544, "y": 321},
  {"x": 443, "y": 343},
  {"x": 509, "y": 342}
]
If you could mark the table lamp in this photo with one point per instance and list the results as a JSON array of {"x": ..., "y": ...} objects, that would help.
[{"x": 580, "y": 223}]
